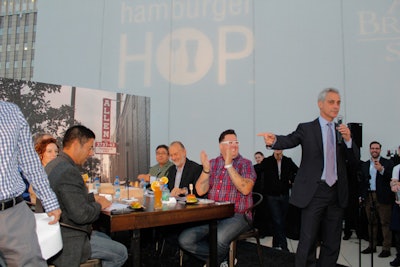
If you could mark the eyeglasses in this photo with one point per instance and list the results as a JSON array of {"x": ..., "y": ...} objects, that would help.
[{"x": 230, "y": 143}]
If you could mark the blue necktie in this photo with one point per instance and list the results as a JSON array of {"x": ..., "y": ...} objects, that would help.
[{"x": 330, "y": 157}]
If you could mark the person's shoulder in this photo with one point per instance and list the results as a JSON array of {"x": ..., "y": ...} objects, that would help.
[
  {"x": 286, "y": 157},
  {"x": 385, "y": 159},
  {"x": 365, "y": 164},
  {"x": 154, "y": 167},
  {"x": 268, "y": 160},
  {"x": 8, "y": 107},
  {"x": 169, "y": 164},
  {"x": 310, "y": 123},
  {"x": 388, "y": 162},
  {"x": 396, "y": 168},
  {"x": 7, "y": 104},
  {"x": 240, "y": 158},
  {"x": 60, "y": 163},
  {"x": 192, "y": 163}
]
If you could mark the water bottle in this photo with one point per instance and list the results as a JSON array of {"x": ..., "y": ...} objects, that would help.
[
  {"x": 117, "y": 189},
  {"x": 165, "y": 193},
  {"x": 97, "y": 185},
  {"x": 143, "y": 185}
]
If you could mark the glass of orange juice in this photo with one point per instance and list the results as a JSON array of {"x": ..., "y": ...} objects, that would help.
[{"x": 157, "y": 186}]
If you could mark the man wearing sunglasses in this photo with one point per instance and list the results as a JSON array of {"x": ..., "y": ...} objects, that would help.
[{"x": 229, "y": 177}]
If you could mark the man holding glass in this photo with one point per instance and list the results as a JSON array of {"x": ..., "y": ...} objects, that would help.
[{"x": 229, "y": 177}]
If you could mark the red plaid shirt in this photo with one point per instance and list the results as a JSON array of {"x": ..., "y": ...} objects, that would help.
[{"x": 221, "y": 186}]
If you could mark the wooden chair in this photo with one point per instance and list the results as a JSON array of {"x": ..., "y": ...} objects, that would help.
[
  {"x": 89, "y": 263},
  {"x": 251, "y": 233}
]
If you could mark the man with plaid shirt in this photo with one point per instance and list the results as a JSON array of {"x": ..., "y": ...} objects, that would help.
[{"x": 229, "y": 177}]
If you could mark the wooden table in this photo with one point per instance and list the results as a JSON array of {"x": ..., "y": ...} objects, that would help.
[{"x": 170, "y": 214}]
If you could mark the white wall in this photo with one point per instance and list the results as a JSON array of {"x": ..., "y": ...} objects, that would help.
[{"x": 248, "y": 65}]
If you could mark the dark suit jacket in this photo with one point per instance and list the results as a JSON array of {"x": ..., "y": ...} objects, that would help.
[
  {"x": 78, "y": 210},
  {"x": 273, "y": 184},
  {"x": 259, "y": 184},
  {"x": 383, "y": 192},
  {"x": 308, "y": 177},
  {"x": 191, "y": 172}
]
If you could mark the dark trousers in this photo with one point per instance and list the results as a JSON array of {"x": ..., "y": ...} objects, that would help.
[
  {"x": 351, "y": 215},
  {"x": 323, "y": 215},
  {"x": 397, "y": 238},
  {"x": 278, "y": 206}
]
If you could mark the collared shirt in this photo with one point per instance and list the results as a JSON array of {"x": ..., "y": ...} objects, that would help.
[
  {"x": 372, "y": 173},
  {"x": 17, "y": 154},
  {"x": 178, "y": 176},
  {"x": 324, "y": 130},
  {"x": 158, "y": 171},
  {"x": 396, "y": 172},
  {"x": 279, "y": 162},
  {"x": 222, "y": 187}
]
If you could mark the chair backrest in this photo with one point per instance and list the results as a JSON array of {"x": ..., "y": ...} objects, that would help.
[{"x": 251, "y": 211}]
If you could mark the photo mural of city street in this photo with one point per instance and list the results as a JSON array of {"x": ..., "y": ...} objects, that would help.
[{"x": 121, "y": 122}]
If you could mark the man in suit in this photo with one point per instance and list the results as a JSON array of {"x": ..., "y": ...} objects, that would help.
[
  {"x": 375, "y": 190},
  {"x": 279, "y": 173},
  {"x": 184, "y": 171},
  {"x": 321, "y": 188},
  {"x": 80, "y": 209}
]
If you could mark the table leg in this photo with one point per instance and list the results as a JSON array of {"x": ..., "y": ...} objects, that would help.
[
  {"x": 135, "y": 248},
  {"x": 213, "y": 243}
]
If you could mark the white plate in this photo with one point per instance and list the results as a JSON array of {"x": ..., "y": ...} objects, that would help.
[
  {"x": 128, "y": 201},
  {"x": 205, "y": 201}
]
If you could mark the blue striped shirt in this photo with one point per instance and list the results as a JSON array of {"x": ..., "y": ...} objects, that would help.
[{"x": 17, "y": 154}]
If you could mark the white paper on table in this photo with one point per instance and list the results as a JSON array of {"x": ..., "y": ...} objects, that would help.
[
  {"x": 107, "y": 196},
  {"x": 171, "y": 200},
  {"x": 116, "y": 206}
]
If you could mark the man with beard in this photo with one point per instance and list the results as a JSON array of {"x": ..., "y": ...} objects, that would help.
[
  {"x": 375, "y": 189},
  {"x": 184, "y": 171}
]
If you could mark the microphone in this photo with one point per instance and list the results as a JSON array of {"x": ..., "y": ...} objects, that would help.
[{"x": 339, "y": 137}]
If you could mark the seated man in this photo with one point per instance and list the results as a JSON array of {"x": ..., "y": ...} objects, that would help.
[
  {"x": 229, "y": 177},
  {"x": 183, "y": 172},
  {"x": 80, "y": 209},
  {"x": 161, "y": 168}
]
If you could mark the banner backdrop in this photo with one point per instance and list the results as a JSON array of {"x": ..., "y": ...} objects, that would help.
[{"x": 211, "y": 65}]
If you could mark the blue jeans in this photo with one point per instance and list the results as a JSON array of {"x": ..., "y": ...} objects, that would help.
[
  {"x": 278, "y": 206},
  {"x": 195, "y": 239},
  {"x": 111, "y": 253}
]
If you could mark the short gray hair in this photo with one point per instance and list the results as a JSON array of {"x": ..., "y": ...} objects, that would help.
[{"x": 322, "y": 94}]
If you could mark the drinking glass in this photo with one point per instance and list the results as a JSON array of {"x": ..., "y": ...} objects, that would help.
[{"x": 158, "y": 196}]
